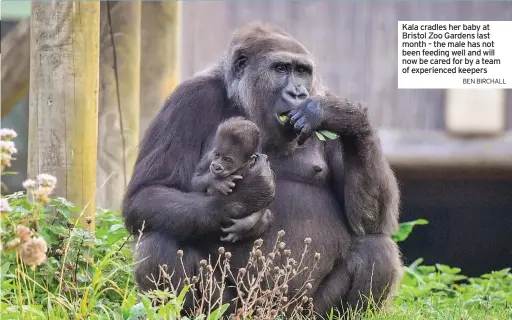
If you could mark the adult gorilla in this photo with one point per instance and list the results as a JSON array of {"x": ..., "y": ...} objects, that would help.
[{"x": 341, "y": 193}]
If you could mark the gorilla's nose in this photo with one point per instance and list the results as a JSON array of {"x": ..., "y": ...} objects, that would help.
[{"x": 295, "y": 94}]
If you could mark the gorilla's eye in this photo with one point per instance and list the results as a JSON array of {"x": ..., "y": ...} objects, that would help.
[
  {"x": 301, "y": 70},
  {"x": 280, "y": 68},
  {"x": 228, "y": 160},
  {"x": 216, "y": 154}
]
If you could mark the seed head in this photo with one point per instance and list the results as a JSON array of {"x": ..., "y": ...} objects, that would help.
[
  {"x": 287, "y": 252},
  {"x": 282, "y": 245},
  {"x": 24, "y": 233},
  {"x": 221, "y": 250},
  {"x": 309, "y": 286},
  {"x": 258, "y": 243},
  {"x": 202, "y": 263},
  {"x": 180, "y": 253},
  {"x": 317, "y": 256},
  {"x": 242, "y": 271},
  {"x": 88, "y": 220},
  {"x": 33, "y": 252},
  {"x": 307, "y": 241},
  {"x": 281, "y": 233},
  {"x": 228, "y": 255}
]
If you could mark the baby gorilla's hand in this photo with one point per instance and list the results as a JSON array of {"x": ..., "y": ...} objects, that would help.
[{"x": 226, "y": 185}]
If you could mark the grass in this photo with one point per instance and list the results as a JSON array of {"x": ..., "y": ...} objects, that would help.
[{"x": 51, "y": 268}]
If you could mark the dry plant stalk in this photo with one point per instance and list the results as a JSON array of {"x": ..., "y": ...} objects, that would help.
[{"x": 262, "y": 286}]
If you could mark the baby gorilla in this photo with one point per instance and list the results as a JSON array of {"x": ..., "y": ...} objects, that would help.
[{"x": 234, "y": 152}]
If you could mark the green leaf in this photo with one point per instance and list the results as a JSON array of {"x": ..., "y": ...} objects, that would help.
[
  {"x": 405, "y": 229},
  {"x": 8, "y": 173},
  {"x": 282, "y": 117},
  {"x": 329, "y": 134},
  {"x": 320, "y": 136},
  {"x": 217, "y": 314},
  {"x": 137, "y": 311}
]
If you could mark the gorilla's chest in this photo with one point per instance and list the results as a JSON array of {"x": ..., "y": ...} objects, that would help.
[{"x": 306, "y": 165}]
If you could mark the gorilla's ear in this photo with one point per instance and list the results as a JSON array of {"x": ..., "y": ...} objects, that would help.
[{"x": 239, "y": 64}]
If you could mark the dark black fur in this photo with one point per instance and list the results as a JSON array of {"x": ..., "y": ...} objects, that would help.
[{"x": 341, "y": 193}]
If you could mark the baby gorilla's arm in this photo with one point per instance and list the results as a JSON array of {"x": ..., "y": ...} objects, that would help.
[
  {"x": 204, "y": 181},
  {"x": 245, "y": 228}
]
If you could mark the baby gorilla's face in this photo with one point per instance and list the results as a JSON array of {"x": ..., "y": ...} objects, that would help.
[{"x": 226, "y": 162}]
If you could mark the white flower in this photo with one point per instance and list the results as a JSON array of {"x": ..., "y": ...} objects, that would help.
[
  {"x": 7, "y": 147},
  {"x": 46, "y": 180},
  {"x": 4, "y": 206},
  {"x": 7, "y": 134},
  {"x": 29, "y": 184}
]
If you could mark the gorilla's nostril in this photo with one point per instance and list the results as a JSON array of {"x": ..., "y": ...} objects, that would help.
[{"x": 291, "y": 94}]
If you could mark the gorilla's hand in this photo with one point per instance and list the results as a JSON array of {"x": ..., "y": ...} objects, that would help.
[
  {"x": 248, "y": 227},
  {"x": 306, "y": 119},
  {"x": 226, "y": 185}
]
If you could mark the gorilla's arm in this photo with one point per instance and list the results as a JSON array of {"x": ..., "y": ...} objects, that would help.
[
  {"x": 360, "y": 174},
  {"x": 202, "y": 176},
  {"x": 158, "y": 194}
]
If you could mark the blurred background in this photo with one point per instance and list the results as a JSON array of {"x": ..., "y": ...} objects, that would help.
[{"x": 451, "y": 149}]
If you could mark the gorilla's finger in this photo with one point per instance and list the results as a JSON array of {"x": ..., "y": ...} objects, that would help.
[
  {"x": 225, "y": 190},
  {"x": 300, "y": 124},
  {"x": 229, "y": 238},
  {"x": 235, "y": 177},
  {"x": 292, "y": 112},
  {"x": 231, "y": 229},
  {"x": 296, "y": 116},
  {"x": 304, "y": 134},
  {"x": 231, "y": 184}
]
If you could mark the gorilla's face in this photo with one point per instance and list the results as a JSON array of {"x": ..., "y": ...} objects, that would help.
[
  {"x": 276, "y": 83},
  {"x": 227, "y": 158},
  {"x": 270, "y": 73}
]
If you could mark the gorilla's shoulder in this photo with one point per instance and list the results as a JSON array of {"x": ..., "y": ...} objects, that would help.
[{"x": 205, "y": 87}]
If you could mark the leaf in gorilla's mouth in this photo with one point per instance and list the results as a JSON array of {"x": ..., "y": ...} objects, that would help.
[{"x": 321, "y": 134}]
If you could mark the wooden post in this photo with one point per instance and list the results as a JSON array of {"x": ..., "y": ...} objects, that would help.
[
  {"x": 64, "y": 59},
  {"x": 160, "y": 56},
  {"x": 119, "y": 111}
]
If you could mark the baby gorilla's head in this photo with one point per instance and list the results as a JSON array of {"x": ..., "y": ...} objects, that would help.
[{"x": 236, "y": 142}]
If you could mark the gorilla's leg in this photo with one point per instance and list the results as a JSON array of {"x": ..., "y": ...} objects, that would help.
[
  {"x": 155, "y": 252},
  {"x": 370, "y": 274}
]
